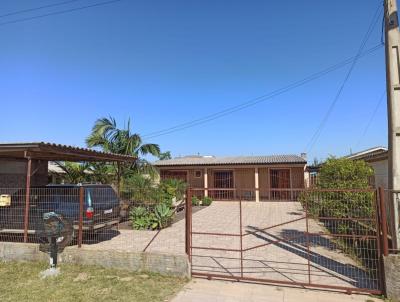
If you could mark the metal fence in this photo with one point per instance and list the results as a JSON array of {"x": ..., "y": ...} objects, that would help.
[
  {"x": 316, "y": 238},
  {"x": 97, "y": 217},
  {"x": 390, "y": 209}
]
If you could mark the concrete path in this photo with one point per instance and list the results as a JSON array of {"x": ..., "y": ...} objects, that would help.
[{"x": 201, "y": 290}]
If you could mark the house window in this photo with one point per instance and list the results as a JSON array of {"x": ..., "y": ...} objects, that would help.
[
  {"x": 223, "y": 180},
  {"x": 168, "y": 174},
  {"x": 197, "y": 173}
]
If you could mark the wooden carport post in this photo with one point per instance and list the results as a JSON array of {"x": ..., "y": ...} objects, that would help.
[{"x": 27, "y": 196}]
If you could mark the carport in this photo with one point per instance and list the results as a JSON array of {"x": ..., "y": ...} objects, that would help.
[{"x": 42, "y": 151}]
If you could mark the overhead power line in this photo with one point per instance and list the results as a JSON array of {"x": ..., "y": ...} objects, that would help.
[
  {"x": 28, "y": 10},
  {"x": 259, "y": 99},
  {"x": 371, "y": 119},
  {"x": 324, "y": 120},
  {"x": 59, "y": 12}
]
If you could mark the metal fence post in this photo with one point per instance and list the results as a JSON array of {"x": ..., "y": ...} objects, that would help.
[
  {"x": 80, "y": 226},
  {"x": 188, "y": 222},
  {"x": 27, "y": 198},
  {"x": 308, "y": 242},
  {"x": 241, "y": 234},
  {"x": 383, "y": 221}
]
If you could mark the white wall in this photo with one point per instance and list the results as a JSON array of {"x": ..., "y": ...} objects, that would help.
[{"x": 381, "y": 173}]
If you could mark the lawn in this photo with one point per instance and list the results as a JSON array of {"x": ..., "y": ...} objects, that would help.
[{"x": 21, "y": 282}]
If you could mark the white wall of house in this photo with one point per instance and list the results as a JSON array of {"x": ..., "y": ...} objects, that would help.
[{"x": 381, "y": 173}]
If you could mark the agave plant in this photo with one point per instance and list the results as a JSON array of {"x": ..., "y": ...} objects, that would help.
[
  {"x": 138, "y": 212},
  {"x": 141, "y": 223},
  {"x": 162, "y": 216},
  {"x": 140, "y": 218}
]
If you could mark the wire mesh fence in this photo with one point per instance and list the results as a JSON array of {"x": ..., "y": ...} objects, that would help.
[
  {"x": 322, "y": 238},
  {"x": 319, "y": 238},
  {"x": 97, "y": 216}
]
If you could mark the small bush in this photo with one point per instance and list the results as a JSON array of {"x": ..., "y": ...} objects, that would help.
[
  {"x": 206, "y": 201},
  {"x": 138, "y": 212},
  {"x": 195, "y": 201},
  {"x": 140, "y": 218},
  {"x": 158, "y": 200},
  {"x": 157, "y": 218}
]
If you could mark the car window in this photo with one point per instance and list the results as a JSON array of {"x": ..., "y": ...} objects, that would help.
[
  {"x": 103, "y": 195},
  {"x": 89, "y": 197}
]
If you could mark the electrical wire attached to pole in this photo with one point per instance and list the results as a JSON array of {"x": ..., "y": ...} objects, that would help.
[
  {"x": 371, "y": 119},
  {"x": 60, "y": 12},
  {"x": 323, "y": 122},
  {"x": 260, "y": 99}
]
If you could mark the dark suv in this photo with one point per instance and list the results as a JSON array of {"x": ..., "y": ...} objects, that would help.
[{"x": 100, "y": 207}]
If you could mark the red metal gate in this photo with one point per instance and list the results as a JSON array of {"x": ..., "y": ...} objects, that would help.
[{"x": 309, "y": 238}]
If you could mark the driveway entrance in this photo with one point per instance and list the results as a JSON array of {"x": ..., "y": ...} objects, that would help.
[{"x": 311, "y": 242}]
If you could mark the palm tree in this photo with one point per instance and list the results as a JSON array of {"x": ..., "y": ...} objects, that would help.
[
  {"x": 74, "y": 172},
  {"x": 109, "y": 138},
  {"x": 165, "y": 155},
  {"x": 101, "y": 172}
]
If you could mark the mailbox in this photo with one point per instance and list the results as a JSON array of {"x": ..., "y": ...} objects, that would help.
[{"x": 5, "y": 200}]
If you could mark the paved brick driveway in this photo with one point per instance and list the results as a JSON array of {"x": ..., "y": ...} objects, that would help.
[{"x": 267, "y": 257}]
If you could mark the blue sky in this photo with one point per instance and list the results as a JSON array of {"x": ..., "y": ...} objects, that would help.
[{"x": 163, "y": 63}]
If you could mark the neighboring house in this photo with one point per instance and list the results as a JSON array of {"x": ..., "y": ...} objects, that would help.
[
  {"x": 13, "y": 173},
  {"x": 311, "y": 175},
  {"x": 56, "y": 174},
  {"x": 247, "y": 177},
  {"x": 377, "y": 157}
]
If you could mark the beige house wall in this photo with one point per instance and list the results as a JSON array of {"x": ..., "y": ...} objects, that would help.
[
  {"x": 297, "y": 177},
  {"x": 196, "y": 182},
  {"x": 243, "y": 178}
]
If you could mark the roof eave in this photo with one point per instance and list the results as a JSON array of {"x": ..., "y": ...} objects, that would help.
[{"x": 55, "y": 152}]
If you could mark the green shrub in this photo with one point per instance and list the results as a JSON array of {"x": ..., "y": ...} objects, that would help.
[
  {"x": 206, "y": 201},
  {"x": 142, "y": 223},
  {"x": 140, "y": 218},
  {"x": 160, "y": 199},
  {"x": 138, "y": 212},
  {"x": 172, "y": 188},
  {"x": 195, "y": 201},
  {"x": 158, "y": 218},
  {"x": 341, "y": 173},
  {"x": 344, "y": 173},
  {"x": 138, "y": 188}
]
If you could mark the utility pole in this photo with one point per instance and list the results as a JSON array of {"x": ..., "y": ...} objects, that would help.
[{"x": 392, "y": 46}]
